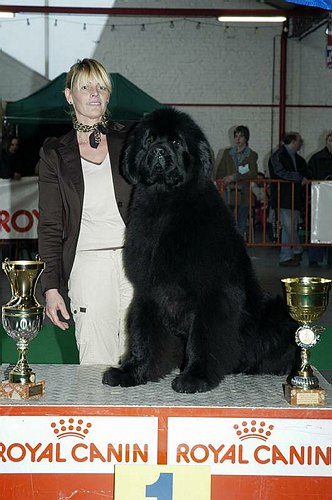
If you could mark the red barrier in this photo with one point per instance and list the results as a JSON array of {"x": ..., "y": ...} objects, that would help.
[{"x": 263, "y": 227}]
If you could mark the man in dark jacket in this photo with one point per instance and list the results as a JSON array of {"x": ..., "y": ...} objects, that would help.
[
  {"x": 286, "y": 164},
  {"x": 320, "y": 167}
]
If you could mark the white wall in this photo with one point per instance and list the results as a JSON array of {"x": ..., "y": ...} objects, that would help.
[
  {"x": 17, "y": 80},
  {"x": 211, "y": 68},
  {"x": 218, "y": 66},
  {"x": 309, "y": 84}
]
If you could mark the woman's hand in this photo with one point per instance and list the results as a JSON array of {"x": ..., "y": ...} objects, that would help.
[{"x": 55, "y": 303}]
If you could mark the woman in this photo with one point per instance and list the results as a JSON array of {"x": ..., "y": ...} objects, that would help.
[
  {"x": 83, "y": 202},
  {"x": 10, "y": 161},
  {"x": 237, "y": 164}
]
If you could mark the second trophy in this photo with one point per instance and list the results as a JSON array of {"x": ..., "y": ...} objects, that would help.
[{"x": 307, "y": 300}]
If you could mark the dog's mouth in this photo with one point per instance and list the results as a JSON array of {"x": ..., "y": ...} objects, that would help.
[
  {"x": 168, "y": 177},
  {"x": 161, "y": 168}
]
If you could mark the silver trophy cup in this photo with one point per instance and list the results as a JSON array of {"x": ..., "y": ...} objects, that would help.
[{"x": 22, "y": 316}]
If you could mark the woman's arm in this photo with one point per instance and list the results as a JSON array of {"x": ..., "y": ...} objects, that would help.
[{"x": 50, "y": 236}]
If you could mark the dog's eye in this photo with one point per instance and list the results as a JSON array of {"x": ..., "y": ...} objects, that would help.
[
  {"x": 176, "y": 142},
  {"x": 149, "y": 139}
]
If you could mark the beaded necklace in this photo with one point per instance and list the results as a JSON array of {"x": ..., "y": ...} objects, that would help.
[{"x": 96, "y": 130}]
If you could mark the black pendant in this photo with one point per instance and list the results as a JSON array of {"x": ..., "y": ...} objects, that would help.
[{"x": 93, "y": 142}]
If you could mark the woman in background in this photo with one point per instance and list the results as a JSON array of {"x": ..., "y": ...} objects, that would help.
[
  {"x": 10, "y": 162},
  {"x": 238, "y": 163}
]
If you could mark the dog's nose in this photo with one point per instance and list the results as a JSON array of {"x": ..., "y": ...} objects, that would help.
[{"x": 159, "y": 152}]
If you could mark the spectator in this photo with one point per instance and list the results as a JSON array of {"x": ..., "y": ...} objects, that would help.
[
  {"x": 320, "y": 167},
  {"x": 10, "y": 164},
  {"x": 286, "y": 164},
  {"x": 238, "y": 163},
  {"x": 261, "y": 194}
]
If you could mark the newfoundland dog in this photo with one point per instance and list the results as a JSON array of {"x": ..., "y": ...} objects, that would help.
[{"x": 197, "y": 303}]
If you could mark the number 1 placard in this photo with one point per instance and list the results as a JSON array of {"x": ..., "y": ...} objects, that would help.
[{"x": 162, "y": 482}]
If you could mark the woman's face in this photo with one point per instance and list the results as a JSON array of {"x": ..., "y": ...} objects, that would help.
[
  {"x": 239, "y": 140},
  {"x": 89, "y": 100},
  {"x": 13, "y": 147}
]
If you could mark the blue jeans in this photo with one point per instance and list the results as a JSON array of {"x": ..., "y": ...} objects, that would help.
[
  {"x": 286, "y": 253},
  {"x": 242, "y": 218}
]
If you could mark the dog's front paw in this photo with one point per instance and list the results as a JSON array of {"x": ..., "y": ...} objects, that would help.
[
  {"x": 116, "y": 376},
  {"x": 112, "y": 376},
  {"x": 189, "y": 384}
]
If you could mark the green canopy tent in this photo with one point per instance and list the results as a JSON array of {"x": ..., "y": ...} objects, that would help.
[
  {"x": 46, "y": 113},
  {"x": 48, "y": 104}
]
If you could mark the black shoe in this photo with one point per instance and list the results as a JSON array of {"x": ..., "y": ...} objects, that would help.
[
  {"x": 314, "y": 264},
  {"x": 298, "y": 256},
  {"x": 289, "y": 263}
]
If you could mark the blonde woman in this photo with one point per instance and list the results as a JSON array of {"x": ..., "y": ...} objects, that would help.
[{"x": 83, "y": 202}]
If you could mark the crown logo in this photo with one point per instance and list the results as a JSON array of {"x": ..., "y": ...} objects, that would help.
[
  {"x": 71, "y": 427},
  {"x": 253, "y": 429}
]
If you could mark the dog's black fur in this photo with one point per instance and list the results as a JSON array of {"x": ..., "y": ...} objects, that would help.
[{"x": 197, "y": 303}]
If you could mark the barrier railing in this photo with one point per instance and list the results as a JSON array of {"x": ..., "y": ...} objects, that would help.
[{"x": 263, "y": 224}]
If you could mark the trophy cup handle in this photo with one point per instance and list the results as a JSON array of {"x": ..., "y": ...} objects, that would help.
[{"x": 7, "y": 266}]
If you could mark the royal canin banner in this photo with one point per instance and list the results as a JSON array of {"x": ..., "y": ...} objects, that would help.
[
  {"x": 19, "y": 208},
  {"x": 254, "y": 446},
  {"x": 82, "y": 445},
  {"x": 229, "y": 446}
]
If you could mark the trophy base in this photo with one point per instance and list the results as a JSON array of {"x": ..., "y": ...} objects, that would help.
[
  {"x": 297, "y": 396},
  {"x": 13, "y": 390}
]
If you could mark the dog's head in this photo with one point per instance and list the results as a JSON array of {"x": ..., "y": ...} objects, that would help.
[{"x": 166, "y": 149}]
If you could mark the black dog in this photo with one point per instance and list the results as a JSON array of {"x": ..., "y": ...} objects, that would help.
[{"x": 197, "y": 303}]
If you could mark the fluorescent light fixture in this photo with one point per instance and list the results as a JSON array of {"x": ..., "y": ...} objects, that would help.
[
  {"x": 252, "y": 19},
  {"x": 6, "y": 14}
]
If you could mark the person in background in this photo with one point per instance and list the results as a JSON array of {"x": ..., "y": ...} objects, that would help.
[
  {"x": 261, "y": 193},
  {"x": 320, "y": 167},
  {"x": 10, "y": 162},
  {"x": 83, "y": 203},
  {"x": 238, "y": 163},
  {"x": 286, "y": 164}
]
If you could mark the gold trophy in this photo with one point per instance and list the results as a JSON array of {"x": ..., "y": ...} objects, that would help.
[
  {"x": 307, "y": 299},
  {"x": 22, "y": 318}
]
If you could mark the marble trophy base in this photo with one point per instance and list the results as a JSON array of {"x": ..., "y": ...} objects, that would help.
[
  {"x": 12, "y": 390},
  {"x": 296, "y": 396}
]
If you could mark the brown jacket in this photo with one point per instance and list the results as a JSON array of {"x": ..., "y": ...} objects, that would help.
[
  {"x": 227, "y": 167},
  {"x": 61, "y": 190}
]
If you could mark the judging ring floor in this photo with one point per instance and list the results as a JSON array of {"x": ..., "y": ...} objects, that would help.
[{"x": 82, "y": 385}]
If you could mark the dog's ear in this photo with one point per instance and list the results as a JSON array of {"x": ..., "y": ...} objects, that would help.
[
  {"x": 205, "y": 158},
  {"x": 128, "y": 162},
  {"x": 128, "y": 155}
]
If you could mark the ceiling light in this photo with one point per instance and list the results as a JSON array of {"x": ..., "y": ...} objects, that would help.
[
  {"x": 6, "y": 14},
  {"x": 252, "y": 19}
]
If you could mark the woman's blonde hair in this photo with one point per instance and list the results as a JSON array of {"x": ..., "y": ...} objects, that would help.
[{"x": 85, "y": 70}]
